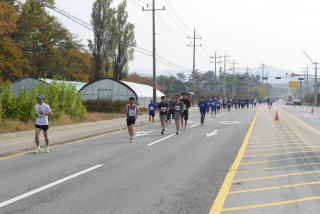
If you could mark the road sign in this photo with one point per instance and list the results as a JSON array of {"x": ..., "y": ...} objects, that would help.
[{"x": 294, "y": 84}]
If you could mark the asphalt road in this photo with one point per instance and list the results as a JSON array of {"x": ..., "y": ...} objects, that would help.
[
  {"x": 106, "y": 174},
  {"x": 304, "y": 113}
]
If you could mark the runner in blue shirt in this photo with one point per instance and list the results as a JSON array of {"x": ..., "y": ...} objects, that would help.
[
  {"x": 229, "y": 104},
  {"x": 213, "y": 107},
  {"x": 152, "y": 107},
  {"x": 203, "y": 106}
]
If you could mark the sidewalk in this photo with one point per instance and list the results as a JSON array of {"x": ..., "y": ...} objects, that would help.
[
  {"x": 21, "y": 141},
  {"x": 277, "y": 168}
]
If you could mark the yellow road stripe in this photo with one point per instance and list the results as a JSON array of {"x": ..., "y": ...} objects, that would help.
[
  {"x": 14, "y": 156},
  {"x": 281, "y": 153},
  {"x": 271, "y": 204},
  {"x": 276, "y": 176},
  {"x": 303, "y": 123},
  {"x": 279, "y": 167},
  {"x": 285, "y": 159},
  {"x": 274, "y": 187},
  {"x": 271, "y": 145},
  {"x": 294, "y": 147},
  {"x": 223, "y": 192}
]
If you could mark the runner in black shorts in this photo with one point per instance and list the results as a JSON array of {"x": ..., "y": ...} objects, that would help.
[
  {"x": 131, "y": 111},
  {"x": 163, "y": 113},
  {"x": 170, "y": 111},
  {"x": 177, "y": 108},
  {"x": 185, "y": 112}
]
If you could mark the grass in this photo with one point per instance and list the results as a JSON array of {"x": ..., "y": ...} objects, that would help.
[{"x": 8, "y": 126}]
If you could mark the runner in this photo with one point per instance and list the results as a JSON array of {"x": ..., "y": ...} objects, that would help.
[
  {"x": 203, "y": 106},
  {"x": 213, "y": 107},
  {"x": 131, "y": 111},
  {"x": 170, "y": 111},
  {"x": 229, "y": 104},
  {"x": 185, "y": 113},
  {"x": 152, "y": 107},
  {"x": 235, "y": 103},
  {"x": 42, "y": 111},
  {"x": 177, "y": 109},
  {"x": 218, "y": 105},
  {"x": 163, "y": 113}
]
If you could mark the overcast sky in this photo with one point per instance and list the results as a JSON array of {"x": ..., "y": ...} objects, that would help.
[{"x": 253, "y": 32}]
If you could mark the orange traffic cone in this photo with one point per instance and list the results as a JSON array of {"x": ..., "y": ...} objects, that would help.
[
  {"x": 277, "y": 116},
  {"x": 312, "y": 110}
]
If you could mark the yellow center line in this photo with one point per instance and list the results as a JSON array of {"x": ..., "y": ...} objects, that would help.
[
  {"x": 223, "y": 192},
  {"x": 276, "y": 176},
  {"x": 279, "y": 203},
  {"x": 282, "y": 153},
  {"x": 279, "y": 167},
  {"x": 274, "y": 187},
  {"x": 294, "y": 147},
  {"x": 271, "y": 145},
  {"x": 301, "y": 122},
  {"x": 14, "y": 156},
  {"x": 285, "y": 159}
]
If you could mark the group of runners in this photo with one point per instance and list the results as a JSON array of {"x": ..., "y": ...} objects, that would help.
[{"x": 177, "y": 109}]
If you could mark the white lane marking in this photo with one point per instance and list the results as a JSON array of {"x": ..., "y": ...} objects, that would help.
[
  {"x": 142, "y": 133},
  {"x": 162, "y": 139},
  {"x": 198, "y": 124},
  {"x": 40, "y": 189},
  {"x": 230, "y": 122},
  {"x": 214, "y": 133}
]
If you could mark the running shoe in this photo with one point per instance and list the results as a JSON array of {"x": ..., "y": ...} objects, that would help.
[
  {"x": 177, "y": 133},
  {"x": 37, "y": 150},
  {"x": 46, "y": 149}
]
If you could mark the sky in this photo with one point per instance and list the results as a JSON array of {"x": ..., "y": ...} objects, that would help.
[{"x": 252, "y": 32}]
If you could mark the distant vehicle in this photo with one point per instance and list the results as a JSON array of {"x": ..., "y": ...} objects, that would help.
[
  {"x": 297, "y": 102},
  {"x": 289, "y": 100}
]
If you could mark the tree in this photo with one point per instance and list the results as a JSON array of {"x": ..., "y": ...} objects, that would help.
[
  {"x": 104, "y": 25},
  {"x": 8, "y": 19},
  {"x": 10, "y": 55},
  {"x": 11, "y": 61},
  {"x": 125, "y": 43}
]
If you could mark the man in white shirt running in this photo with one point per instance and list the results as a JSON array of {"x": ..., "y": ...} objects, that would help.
[{"x": 42, "y": 111}]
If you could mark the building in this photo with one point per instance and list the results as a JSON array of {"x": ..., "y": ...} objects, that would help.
[
  {"x": 111, "y": 89},
  {"x": 29, "y": 83},
  {"x": 26, "y": 84}
]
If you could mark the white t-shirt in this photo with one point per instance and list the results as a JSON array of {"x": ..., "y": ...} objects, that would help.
[{"x": 42, "y": 120}]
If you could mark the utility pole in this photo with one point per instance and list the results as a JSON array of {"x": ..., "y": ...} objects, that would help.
[
  {"x": 234, "y": 63},
  {"x": 220, "y": 78},
  {"x": 315, "y": 64},
  {"x": 215, "y": 57},
  {"x": 248, "y": 80},
  {"x": 224, "y": 72},
  {"x": 154, "y": 57},
  {"x": 262, "y": 74},
  {"x": 316, "y": 83},
  {"x": 195, "y": 37}
]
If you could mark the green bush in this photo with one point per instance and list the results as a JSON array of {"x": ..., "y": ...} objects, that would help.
[{"x": 62, "y": 98}]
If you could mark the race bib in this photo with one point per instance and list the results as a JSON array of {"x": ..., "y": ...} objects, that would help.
[
  {"x": 163, "y": 109},
  {"x": 132, "y": 113},
  {"x": 151, "y": 108},
  {"x": 177, "y": 108}
]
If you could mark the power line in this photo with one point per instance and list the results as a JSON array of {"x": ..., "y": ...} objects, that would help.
[
  {"x": 178, "y": 17},
  {"x": 89, "y": 27}
]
